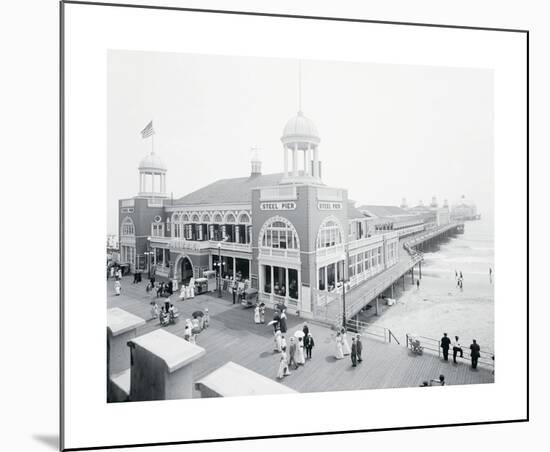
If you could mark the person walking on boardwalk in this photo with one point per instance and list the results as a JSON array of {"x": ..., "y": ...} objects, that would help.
[
  {"x": 117, "y": 288},
  {"x": 345, "y": 344},
  {"x": 474, "y": 353},
  {"x": 234, "y": 292},
  {"x": 206, "y": 319},
  {"x": 283, "y": 342},
  {"x": 300, "y": 359},
  {"x": 283, "y": 365},
  {"x": 457, "y": 349},
  {"x": 282, "y": 321},
  {"x": 359, "y": 348},
  {"x": 305, "y": 329},
  {"x": 309, "y": 343},
  {"x": 262, "y": 313},
  {"x": 339, "y": 351},
  {"x": 257, "y": 314},
  {"x": 445, "y": 344},
  {"x": 292, "y": 354},
  {"x": 278, "y": 341},
  {"x": 154, "y": 310},
  {"x": 353, "y": 352}
]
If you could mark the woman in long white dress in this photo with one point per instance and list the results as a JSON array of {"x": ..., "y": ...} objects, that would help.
[
  {"x": 345, "y": 344},
  {"x": 339, "y": 352},
  {"x": 117, "y": 288},
  {"x": 300, "y": 358},
  {"x": 257, "y": 314},
  {"x": 283, "y": 366},
  {"x": 278, "y": 345}
]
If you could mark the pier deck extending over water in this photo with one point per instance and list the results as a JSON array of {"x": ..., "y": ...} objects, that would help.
[
  {"x": 359, "y": 296},
  {"x": 233, "y": 336}
]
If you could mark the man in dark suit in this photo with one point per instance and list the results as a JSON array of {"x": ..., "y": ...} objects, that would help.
[
  {"x": 308, "y": 344},
  {"x": 234, "y": 291},
  {"x": 305, "y": 329},
  {"x": 445, "y": 344},
  {"x": 474, "y": 353},
  {"x": 359, "y": 348},
  {"x": 353, "y": 352}
]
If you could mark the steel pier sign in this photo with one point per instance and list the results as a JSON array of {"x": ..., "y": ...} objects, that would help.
[{"x": 278, "y": 205}]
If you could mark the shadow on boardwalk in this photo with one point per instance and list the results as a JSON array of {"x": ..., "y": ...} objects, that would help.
[{"x": 233, "y": 336}]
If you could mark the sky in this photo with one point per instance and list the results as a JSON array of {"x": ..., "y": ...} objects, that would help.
[{"x": 387, "y": 131}]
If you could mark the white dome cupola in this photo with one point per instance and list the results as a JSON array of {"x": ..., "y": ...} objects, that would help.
[{"x": 152, "y": 176}]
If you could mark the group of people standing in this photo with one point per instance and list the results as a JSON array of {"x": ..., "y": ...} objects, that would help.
[
  {"x": 445, "y": 344},
  {"x": 292, "y": 354},
  {"x": 459, "y": 279},
  {"x": 343, "y": 347}
]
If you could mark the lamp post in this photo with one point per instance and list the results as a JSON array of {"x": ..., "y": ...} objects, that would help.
[
  {"x": 219, "y": 270},
  {"x": 346, "y": 269},
  {"x": 149, "y": 257}
]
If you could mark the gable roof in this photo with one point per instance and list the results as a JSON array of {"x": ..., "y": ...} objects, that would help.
[
  {"x": 383, "y": 211},
  {"x": 229, "y": 191}
]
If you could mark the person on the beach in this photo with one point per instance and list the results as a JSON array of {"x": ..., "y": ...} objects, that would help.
[
  {"x": 457, "y": 349},
  {"x": 417, "y": 283},
  {"x": 445, "y": 343},
  {"x": 474, "y": 353}
]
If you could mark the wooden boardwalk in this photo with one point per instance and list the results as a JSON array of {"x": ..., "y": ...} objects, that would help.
[{"x": 233, "y": 336}]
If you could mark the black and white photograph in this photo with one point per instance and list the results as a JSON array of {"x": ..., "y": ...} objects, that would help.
[{"x": 279, "y": 226}]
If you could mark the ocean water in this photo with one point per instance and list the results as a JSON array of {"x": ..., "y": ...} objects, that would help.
[{"x": 439, "y": 305}]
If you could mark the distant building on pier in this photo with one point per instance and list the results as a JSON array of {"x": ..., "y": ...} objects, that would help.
[{"x": 464, "y": 210}]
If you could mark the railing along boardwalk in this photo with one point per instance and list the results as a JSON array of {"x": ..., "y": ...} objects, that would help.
[
  {"x": 233, "y": 336},
  {"x": 359, "y": 296}
]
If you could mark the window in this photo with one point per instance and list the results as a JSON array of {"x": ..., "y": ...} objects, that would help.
[
  {"x": 360, "y": 263},
  {"x": 351, "y": 267},
  {"x": 128, "y": 227},
  {"x": 157, "y": 230},
  {"x": 279, "y": 233},
  {"x": 330, "y": 234}
]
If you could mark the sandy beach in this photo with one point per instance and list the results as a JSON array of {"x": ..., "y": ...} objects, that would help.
[{"x": 438, "y": 305}]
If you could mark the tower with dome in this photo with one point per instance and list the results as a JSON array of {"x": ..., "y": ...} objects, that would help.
[{"x": 287, "y": 235}]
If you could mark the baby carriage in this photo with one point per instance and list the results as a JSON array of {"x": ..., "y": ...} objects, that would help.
[{"x": 414, "y": 344}]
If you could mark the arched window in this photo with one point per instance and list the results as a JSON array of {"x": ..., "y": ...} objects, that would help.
[
  {"x": 205, "y": 218},
  {"x": 230, "y": 218},
  {"x": 184, "y": 218},
  {"x": 127, "y": 227},
  {"x": 244, "y": 218},
  {"x": 175, "y": 218},
  {"x": 278, "y": 232},
  {"x": 217, "y": 218},
  {"x": 195, "y": 218},
  {"x": 330, "y": 234}
]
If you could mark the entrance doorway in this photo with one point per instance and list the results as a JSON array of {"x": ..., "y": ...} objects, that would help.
[{"x": 186, "y": 270}]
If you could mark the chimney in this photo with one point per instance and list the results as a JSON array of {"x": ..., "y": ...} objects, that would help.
[{"x": 255, "y": 163}]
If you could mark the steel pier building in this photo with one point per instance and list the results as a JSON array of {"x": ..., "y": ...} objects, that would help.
[{"x": 288, "y": 234}]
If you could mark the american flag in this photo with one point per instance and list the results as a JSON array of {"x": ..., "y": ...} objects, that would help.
[{"x": 148, "y": 130}]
